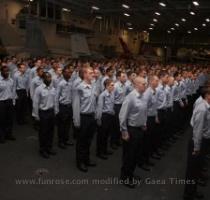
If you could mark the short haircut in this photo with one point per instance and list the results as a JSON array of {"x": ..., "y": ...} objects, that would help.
[
  {"x": 205, "y": 91},
  {"x": 107, "y": 82}
]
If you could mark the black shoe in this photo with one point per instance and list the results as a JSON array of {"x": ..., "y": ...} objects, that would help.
[
  {"x": 69, "y": 143},
  {"x": 156, "y": 157},
  {"x": 129, "y": 183},
  {"x": 51, "y": 152},
  {"x": 91, "y": 164},
  {"x": 114, "y": 147},
  {"x": 62, "y": 146},
  {"x": 82, "y": 167},
  {"x": 202, "y": 183},
  {"x": 44, "y": 154},
  {"x": 151, "y": 164},
  {"x": 145, "y": 168},
  {"x": 199, "y": 195},
  {"x": 103, "y": 157},
  {"x": 107, "y": 153},
  {"x": 12, "y": 138}
]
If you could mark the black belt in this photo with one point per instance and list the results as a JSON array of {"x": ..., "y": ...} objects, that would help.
[
  {"x": 66, "y": 105},
  {"x": 87, "y": 114},
  {"x": 6, "y": 101},
  {"x": 48, "y": 110},
  {"x": 137, "y": 127}
]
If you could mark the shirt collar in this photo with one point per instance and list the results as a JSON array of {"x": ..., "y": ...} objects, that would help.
[{"x": 87, "y": 85}]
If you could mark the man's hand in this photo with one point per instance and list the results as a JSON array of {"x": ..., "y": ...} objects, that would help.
[
  {"x": 195, "y": 153},
  {"x": 125, "y": 136},
  {"x": 157, "y": 121}
]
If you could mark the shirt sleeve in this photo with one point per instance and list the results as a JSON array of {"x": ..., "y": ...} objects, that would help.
[
  {"x": 99, "y": 107},
  {"x": 76, "y": 108},
  {"x": 57, "y": 95},
  {"x": 198, "y": 125},
  {"x": 36, "y": 100},
  {"x": 123, "y": 115}
]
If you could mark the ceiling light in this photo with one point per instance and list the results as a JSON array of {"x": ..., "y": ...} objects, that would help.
[
  {"x": 157, "y": 13},
  {"x": 129, "y": 24},
  {"x": 130, "y": 28},
  {"x": 95, "y": 8},
  {"x": 172, "y": 29},
  {"x": 195, "y": 3},
  {"x": 169, "y": 32},
  {"x": 192, "y": 13},
  {"x": 98, "y": 17},
  {"x": 183, "y": 19},
  {"x": 196, "y": 29},
  {"x": 66, "y": 10},
  {"x": 177, "y": 24},
  {"x": 126, "y": 14},
  {"x": 204, "y": 25},
  {"x": 150, "y": 28},
  {"x": 189, "y": 32},
  {"x": 125, "y": 6},
  {"x": 162, "y": 4},
  {"x": 155, "y": 20},
  {"x": 152, "y": 25},
  {"x": 207, "y": 19}
]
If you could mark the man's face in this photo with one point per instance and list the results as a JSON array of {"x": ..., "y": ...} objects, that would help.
[
  {"x": 67, "y": 74},
  {"x": 47, "y": 79},
  {"x": 22, "y": 68},
  {"x": 5, "y": 72},
  {"x": 155, "y": 82},
  {"x": 39, "y": 63},
  {"x": 40, "y": 72},
  {"x": 96, "y": 74},
  {"x": 88, "y": 75},
  {"x": 165, "y": 79},
  {"x": 123, "y": 78},
  {"x": 208, "y": 98},
  {"x": 110, "y": 88},
  {"x": 59, "y": 71},
  {"x": 141, "y": 86}
]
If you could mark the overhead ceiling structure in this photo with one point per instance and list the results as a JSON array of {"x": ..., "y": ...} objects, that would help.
[{"x": 155, "y": 16}]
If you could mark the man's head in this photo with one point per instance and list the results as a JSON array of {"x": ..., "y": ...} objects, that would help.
[
  {"x": 67, "y": 72},
  {"x": 58, "y": 71},
  {"x": 38, "y": 63},
  {"x": 171, "y": 81},
  {"x": 96, "y": 73},
  {"x": 40, "y": 71},
  {"x": 122, "y": 77},
  {"x": 5, "y": 72},
  {"x": 87, "y": 74},
  {"x": 154, "y": 81},
  {"x": 109, "y": 85},
  {"x": 164, "y": 77},
  {"x": 109, "y": 72},
  {"x": 47, "y": 78},
  {"x": 205, "y": 93},
  {"x": 22, "y": 67},
  {"x": 140, "y": 84}
]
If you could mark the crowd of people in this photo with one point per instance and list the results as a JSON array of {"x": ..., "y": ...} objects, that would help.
[{"x": 142, "y": 106}]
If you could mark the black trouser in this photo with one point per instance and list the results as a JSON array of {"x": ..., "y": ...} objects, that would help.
[
  {"x": 104, "y": 131},
  {"x": 6, "y": 118},
  {"x": 115, "y": 138},
  {"x": 192, "y": 171},
  {"x": 64, "y": 119},
  {"x": 162, "y": 125},
  {"x": 154, "y": 136},
  {"x": 169, "y": 124},
  {"x": 84, "y": 138},
  {"x": 46, "y": 131},
  {"x": 177, "y": 116},
  {"x": 205, "y": 150},
  {"x": 132, "y": 149},
  {"x": 21, "y": 105}
]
